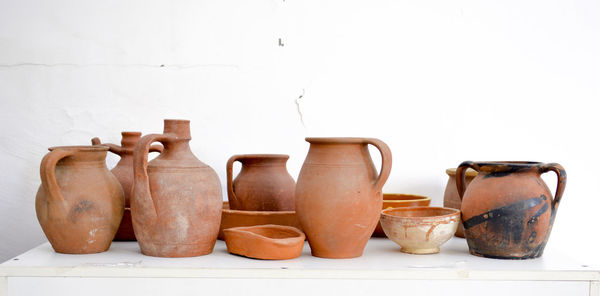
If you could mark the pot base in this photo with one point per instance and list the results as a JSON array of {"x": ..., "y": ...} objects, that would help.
[
  {"x": 420, "y": 251},
  {"x": 510, "y": 257},
  {"x": 176, "y": 250}
]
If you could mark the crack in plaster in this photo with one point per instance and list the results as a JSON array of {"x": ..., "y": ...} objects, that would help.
[
  {"x": 175, "y": 66},
  {"x": 298, "y": 108}
]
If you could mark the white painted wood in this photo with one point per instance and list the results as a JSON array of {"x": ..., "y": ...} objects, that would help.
[
  {"x": 594, "y": 288},
  {"x": 3, "y": 286}
]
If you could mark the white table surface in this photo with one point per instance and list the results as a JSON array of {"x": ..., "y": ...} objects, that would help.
[{"x": 382, "y": 260}]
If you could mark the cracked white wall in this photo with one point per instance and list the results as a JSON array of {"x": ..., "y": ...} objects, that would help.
[{"x": 439, "y": 81}]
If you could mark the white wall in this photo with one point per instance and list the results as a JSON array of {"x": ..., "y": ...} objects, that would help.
[{"x": 439, "y": 81}]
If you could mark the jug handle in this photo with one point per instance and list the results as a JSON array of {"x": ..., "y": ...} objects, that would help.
[
  {"x": 118, "y": 150},
  {"x": 386, "y": 162},
  {"x": 460, "y": 176},
  {"x": 141, "y": 184},
  {"x": 48, "y": 175},
  {"x": 561, "y": 174},
  {"x": 229, "y": 168}
]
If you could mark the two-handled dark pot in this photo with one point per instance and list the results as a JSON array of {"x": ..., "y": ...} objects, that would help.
[{"x": 508, "y": 210}]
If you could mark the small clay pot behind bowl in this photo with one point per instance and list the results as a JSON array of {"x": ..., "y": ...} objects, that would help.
[
  {"x": 420, "y": 230},
  {"x": 396, "y": 200},
  {"x": 271, "y": 242},
  {"x": 236, "y": 218}
]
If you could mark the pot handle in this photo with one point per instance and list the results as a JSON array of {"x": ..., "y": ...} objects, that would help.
[
  {"x": 141, "y": 185},
  {"x": 386, "y": 162},
  {"x": 460, "y": 176},
  {"x": 48, "y": 175},
  {"x": 561, "y": 174},
  {"x": 230, "y": 193},
  {"x": 116, "y": 149}
]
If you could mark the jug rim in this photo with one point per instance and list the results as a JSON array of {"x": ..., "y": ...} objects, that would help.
[
  {"x": 336, "y": 140},
  {"x": 264, "y": 156}
]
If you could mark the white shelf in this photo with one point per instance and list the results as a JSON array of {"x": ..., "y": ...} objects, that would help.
[{"x": 123, "y": 266}]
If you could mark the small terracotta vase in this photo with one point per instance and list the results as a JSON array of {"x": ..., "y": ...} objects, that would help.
[
  {"x": 451, "y": 198},
  {"x": 507, "y": 210},
  {"x": 338, "y": 195},
  {"x": 263, "y": 184},
  {"x": 176, "y": 201},
  {"x": 269, "y": 242},
  {"x": 80, "y": 203},
  {"x": 124, "y": 173}
]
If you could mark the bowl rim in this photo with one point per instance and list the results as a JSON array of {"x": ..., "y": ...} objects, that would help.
[
  {"x": 299, "y": 235},
  {"x": 417, "y": 197},
  {"x": 384, "y": 213}
]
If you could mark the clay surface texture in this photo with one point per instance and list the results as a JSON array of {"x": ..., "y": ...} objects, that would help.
[
  {"x": 176, "y": 202},
  {"x": 263, "y": 184},
  {"x": 273, "y": 242},
  {"x": 80, "y": 203},
  {"x": 338, "y": 195},
  {"x": 507, "y": 210},
  {"x": 124, "y": 173},
  {"x": 420, "y": 230}
]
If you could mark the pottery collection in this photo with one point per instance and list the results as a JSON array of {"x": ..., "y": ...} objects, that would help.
[
  {"x": 338, "y": 195},
  {"x": 420, "y": 230},
  {"x": 173, "y": 205},
  {"x": 124, "y": 173},
  {"x": 263, "y": 184},
  {"x": 508, "y": 210},
  {"x": 451, "y": 198},
  {"x": 177, "y": 200},
  {"x": 80, "y": 203}
]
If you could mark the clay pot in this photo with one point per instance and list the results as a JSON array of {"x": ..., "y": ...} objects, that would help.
[
  {"x": 400, "y": 200},
  {"x": 124, "y": 173},
  {"x": 271, "y": 242},
  {"x": 338, "y": 195},
  {"x": 234, "y": 218},
  {"x": 420, "y": 230},
  {"x": 80, "y": 203},
  {"x": 263, "y": 184},
  {"x": 507, "y": 210},
  {"x": 176, "y": 201},
  {"x": 451, "y": 198}
]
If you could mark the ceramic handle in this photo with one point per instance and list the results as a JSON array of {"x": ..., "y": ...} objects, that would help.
[
  {"x": 48, "y": 175},
  {"x": 460, "y": 176},
  {"x": 386, "y": 162},
  {"x": 561, "y": 174},
  {"x": 141, "y": 184},
  {"x": 230, "y": 194},
  {"x": 116, "y": 149}
]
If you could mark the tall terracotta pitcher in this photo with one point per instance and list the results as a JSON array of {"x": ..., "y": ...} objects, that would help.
[
  {"x": 176, "y": 201},
  {"x": 508, "y": 210},
  {"x": 263, "y": 184},
  {"x": 80, "y": 203},
  {"x": 124, "y": 173},
  {"x": 338, "y": 194}
]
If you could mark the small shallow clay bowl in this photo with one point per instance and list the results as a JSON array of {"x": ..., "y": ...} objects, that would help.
[
  {"x": 272, "y": 242},
  {"x": 393, "y": 200},
  {"x": 236, "y": 218},
  {"x": 420, "y": 230}
]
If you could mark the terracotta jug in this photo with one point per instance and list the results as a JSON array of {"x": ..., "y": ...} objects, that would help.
[
  {"x": 124, "y": 173},
  {"x": 338, "y": 195},
  {"x": 263, "y": 184},
  {"x": 451, "y": 198},
  {"x": 507, "y": 210},
  {"x": 176, "y": 201},
  {"x": 80, "y": 203}
]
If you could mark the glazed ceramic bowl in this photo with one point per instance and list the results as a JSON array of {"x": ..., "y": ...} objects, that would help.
[
  {"x": 236, "y": 218},
  {"x": 420, "y": 230},
  {"x": 395, "y": 200},
  {"x": 270, "y": 242}
]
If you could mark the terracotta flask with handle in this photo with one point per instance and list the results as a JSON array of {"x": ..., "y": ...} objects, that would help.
[{"x": 177, "y": 200}]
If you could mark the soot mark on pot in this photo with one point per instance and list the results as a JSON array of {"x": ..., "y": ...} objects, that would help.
[
  {"x": 507, "y": 211},
  {"x": 82, "y": 207}
]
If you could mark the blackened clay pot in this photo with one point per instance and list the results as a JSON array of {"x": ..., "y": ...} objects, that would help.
[
  {"x": 507, "y": 210},
  {"x": 124, "y": 173},
  {"x": 338, "y": 195},
  {"x": 263, "y": 184},
  {"x": 176, "y": 201},
  {"x": 80, "y": 203}
]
